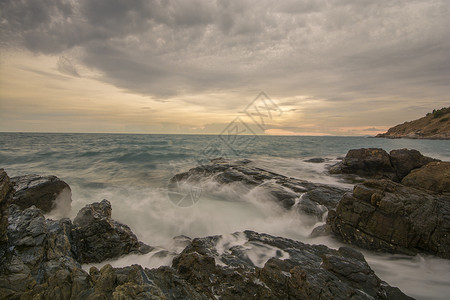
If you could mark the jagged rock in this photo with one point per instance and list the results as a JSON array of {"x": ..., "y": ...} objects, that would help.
[
  {"x": 404, "y": 161},
  {"x": 43, "y": 256},
  {"x": 383, "y": 215},
  {"x": 366, "y": 162},
  {"x": 313, "y": 199},
  {"x": 99, "y": 237},
  {"x": 39, "y": 256},
  {"x": 45, "y": 192},
  {"x": 5, "y": 198},
  {"x": 434, "y": 176},
  {"x": 239, "y": 269}
]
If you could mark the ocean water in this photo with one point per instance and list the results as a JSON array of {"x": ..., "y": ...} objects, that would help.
[{"x": 132, "y": 171}]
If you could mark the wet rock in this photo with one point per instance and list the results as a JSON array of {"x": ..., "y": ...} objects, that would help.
[
  {"x": 307, "y": 197},
  {"x": 382, "y": 215},
  {"x": 40, "y": 257},
  {"x": 239, "y": 269},
  {"x": 434, "y": 176},
  {"x": 315, "y": 160},
  {"x": 5, "y": 198},
  {"x": 404, "y": 161},
  {"x": 99, "y": 237},
  {"x": 45, "y": 192},
  {"x": 366, "y": 162}
]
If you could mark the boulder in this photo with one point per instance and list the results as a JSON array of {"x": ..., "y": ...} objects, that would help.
[
  {"x": 99, "y": 237},
  {"x": 382, "y": 215},
  {"x": 366, "y": 162},
  {"x": 5, "y": 198},
  {"x": 404, "y": 161},
  {"x": 434, "y": 176},
  {"x": 45, "y": 192}
]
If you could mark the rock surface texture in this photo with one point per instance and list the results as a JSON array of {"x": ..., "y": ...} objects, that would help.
[
  {"x": 366, "y": 162},
  {"x": 44, "y": 192},
  {"x": 434, "y": 176},
  {"x": 375, "y": 163},
  {"x": 43, "y": 256},
  {"x": 386, "y": 216},
  {"x": 99, "y": 237},
  {"x": 309, "y": 198},
  {"x": 5, "y": 198}
]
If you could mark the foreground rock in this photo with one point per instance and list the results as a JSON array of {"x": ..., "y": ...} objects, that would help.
[
  {"x": 244, "y": 265},
  {"x": 434, "y": 176},
  {"x": 383, "y": 215},
  {"x": 43, "y": 256},
  {"x": 375, "y": 163},
  {"x": 99, "y": 237},
  {"x": 5, "y": 198},
  {"x": 291, "y": 193},
  {"x": 45, "y": 192},
  {"x": 250, "y": 265}
]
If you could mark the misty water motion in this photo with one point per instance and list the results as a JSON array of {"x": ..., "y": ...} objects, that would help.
[{"x": 132, "y": 171}]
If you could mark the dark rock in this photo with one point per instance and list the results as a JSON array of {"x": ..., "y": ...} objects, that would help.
[
  {"x": 43, "y": 256},
  {"x": 315, "y": 160},
  {"x": 366, "y": 162},
  {"x": 404, "y": 161},
  {"x": 309, "y": 198},
  {"x": 231, "y": 270},
  {"x": 45, "y": 192},
  {"x": 5, "y": 198},
  {"x": 99, "y": 237},
  {"x": 383, "y": 215},
  {"x": 40, "y": 258},
  {"x": 434, "y": 176}
]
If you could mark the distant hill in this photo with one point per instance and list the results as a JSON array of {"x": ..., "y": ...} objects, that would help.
[{"x": 435, "y": 125}]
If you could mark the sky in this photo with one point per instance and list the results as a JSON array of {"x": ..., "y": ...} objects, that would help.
[{"x": 192, "y": 66}]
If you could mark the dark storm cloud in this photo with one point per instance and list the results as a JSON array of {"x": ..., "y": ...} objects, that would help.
[{"x": 334, "y": 50}]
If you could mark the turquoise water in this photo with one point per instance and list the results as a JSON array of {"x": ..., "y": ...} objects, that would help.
[{"x": 132, "y": 171}]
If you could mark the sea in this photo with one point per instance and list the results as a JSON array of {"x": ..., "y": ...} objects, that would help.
[{"x": 132, "y": 171}]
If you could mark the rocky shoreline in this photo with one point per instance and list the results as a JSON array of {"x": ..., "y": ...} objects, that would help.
[
  {"x": 434, "y": 126},
  {"x": 401, "y": 205}
]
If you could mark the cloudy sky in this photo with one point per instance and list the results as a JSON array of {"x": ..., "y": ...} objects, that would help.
[{"x": 137, "y": 66}]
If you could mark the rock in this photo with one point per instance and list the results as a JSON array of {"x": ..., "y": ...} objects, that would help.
[
  {"x": 404, "y": 161},
  {"x": 244, "y": 176},
  {"x": 434, "y": 176},
  {"x": 382, "y": 215},
  {"x": 45, "y": 192},
  {"x": 315, "y": 160},
  {"x": 40, "y": 257},
  {"x": 235, "y": 267},
  {"x": 5, "y": 198},
  {"x": 43, "y": 256},
  {"x": 99, "y": 237},
  {"x": 366, "y": 162}
]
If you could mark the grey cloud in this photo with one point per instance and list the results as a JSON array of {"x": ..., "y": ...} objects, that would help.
[{"x": 333, "y": 50}]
